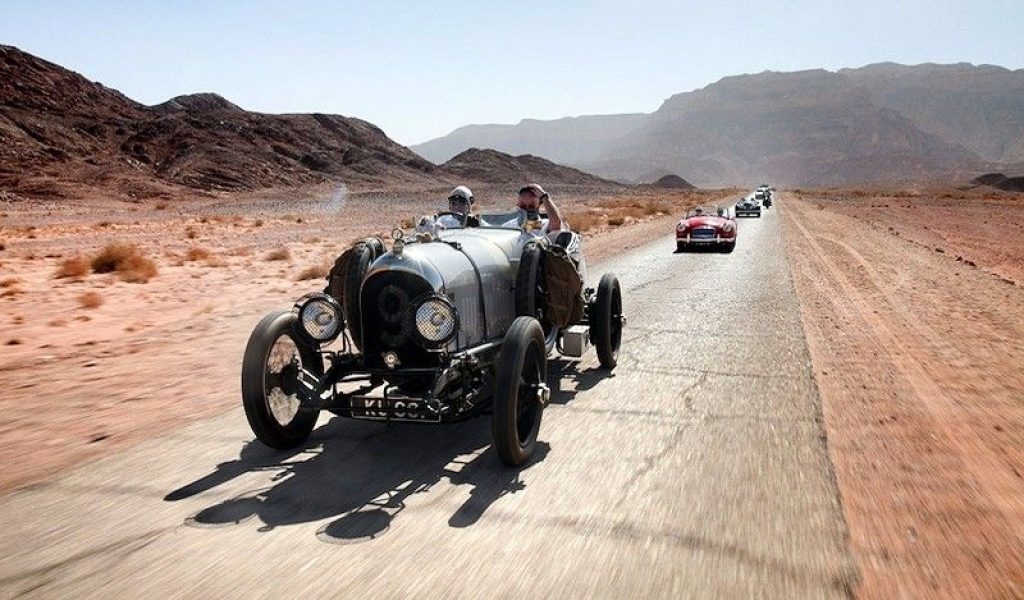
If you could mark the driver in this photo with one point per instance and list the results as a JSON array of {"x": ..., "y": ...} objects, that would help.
[
  {"x": 721, "y": 211},
  {"x": 459, "y": 213},
  {"x": 699, "y": 211},
  {"x": 528, "y": 204}
]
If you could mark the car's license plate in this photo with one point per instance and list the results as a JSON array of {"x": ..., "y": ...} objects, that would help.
[{"x": 392, "y": 409}]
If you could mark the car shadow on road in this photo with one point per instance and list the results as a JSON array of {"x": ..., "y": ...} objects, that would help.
[
  {"x": 363, "y": 473},
  {"x": 561, "y": 370}
]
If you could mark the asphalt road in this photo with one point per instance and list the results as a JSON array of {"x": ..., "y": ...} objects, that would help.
[{"x": 699, "y": 468}]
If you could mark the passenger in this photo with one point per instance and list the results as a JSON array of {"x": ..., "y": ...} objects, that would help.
[{"x": 531, "y": 198}]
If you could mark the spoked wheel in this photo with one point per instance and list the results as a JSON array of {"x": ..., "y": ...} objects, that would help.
[
  {"x": 531, "y": 292},
  {"x": 270, "y": 370},
  {"x": 606, "y": 321},
  {"x": 520, "y": 391}
]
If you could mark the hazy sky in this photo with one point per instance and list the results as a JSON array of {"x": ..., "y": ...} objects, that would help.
[{"x": 421, "y": 69}]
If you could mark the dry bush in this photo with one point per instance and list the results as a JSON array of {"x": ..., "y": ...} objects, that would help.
[
  {"x": 56, "y": 322},
  {"x": 313, "y": 272},
  {"x": 616, "y": 221},
  {"x": 9, "y": 282},
  {"x": 258, "y": 223},
  {"x": 90, "y": 300},
  {"x": 585, "y": 221},
  {"x": 160, "y": 205},
  {"x": 127, "y": 260},
  {"x": 13, "y": 342},
  {"x": 281, "y": 253},
  {"x": 198, "y": 253},
  {"x": 190, "y": 233},
  {"x": 3, "y": 245},
  {"x": 407, "y": 223},
  {"x": 75, "y": 267}
]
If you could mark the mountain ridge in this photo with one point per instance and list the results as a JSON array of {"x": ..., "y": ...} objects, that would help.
[{"x": 894, "y": 132}]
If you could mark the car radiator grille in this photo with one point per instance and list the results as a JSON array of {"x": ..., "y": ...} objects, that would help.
[
  {"x": 388, "y": 304},
  {"x": 703, "y": 233}
]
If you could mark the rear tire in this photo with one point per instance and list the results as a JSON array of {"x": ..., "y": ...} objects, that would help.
[
  {"x": 269, "y": 370},
  {"x": 606, "y": 321},
  {"x": 531, "y": 292},
  {"x": 522, "y": 369}
]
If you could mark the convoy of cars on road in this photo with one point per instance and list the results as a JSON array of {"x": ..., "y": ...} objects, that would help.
[
  {"x": 456, "y": 322},
  {"x": 717, "y": 228}
]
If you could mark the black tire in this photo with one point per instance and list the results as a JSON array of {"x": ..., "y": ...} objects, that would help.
[
  {"x": 531, "y": 290},
  {"x": 522, "y": 365},
  {"x": 259, "y": 385},
  {"x": 730, "y": 247},
  {"x": 363, "y": 255},
  {"x": 606, "y": 321},
  {"x": 680, "y": 246}
]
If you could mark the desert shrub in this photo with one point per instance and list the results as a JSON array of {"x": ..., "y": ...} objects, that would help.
[
  {"x": 258, "y": 223},
  {"x": 75, "y": 267},
  {"x": 127, "y": 260},
  {"x": 616, "y": 221},
  {"x": 9, "y": 282},
  {"x": 160, "y": 205},
  {"x": 90, "y": 300},
  {"x": 281, "y": 253},
  {"x": 585, "y": 221},
  {"x": 3, "y": 245},
  {"x": 313, "y": 272},
  {"x": 198, "y": 253}
]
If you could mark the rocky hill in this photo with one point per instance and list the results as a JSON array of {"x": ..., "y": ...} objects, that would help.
[
  {"x": 491, "y": 166},
  {"x": 1000, "y": 182},
  {"x": 885, "y": 123},
  {"x": 672, "y": 182},
  {"x": 61, "y": 135}
]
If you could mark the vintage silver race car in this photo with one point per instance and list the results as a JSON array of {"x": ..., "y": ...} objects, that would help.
[{"x": 436, "y": 329}]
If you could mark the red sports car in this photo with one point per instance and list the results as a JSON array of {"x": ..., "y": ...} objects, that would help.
[{"x": 706, "y": 228}]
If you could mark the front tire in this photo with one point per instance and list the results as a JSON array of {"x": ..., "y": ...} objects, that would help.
[
  {"x": 606, "y": 321},
  {"x": 680, "y": 246},
  {"x": 270, "y": 380},
  {"x": 519, "y": 383}
]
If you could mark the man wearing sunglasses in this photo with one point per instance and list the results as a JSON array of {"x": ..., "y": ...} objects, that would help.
[{"x": 459, "y": 213}]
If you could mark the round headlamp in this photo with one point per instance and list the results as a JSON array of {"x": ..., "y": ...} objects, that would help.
[
  {"x": 436, "y": 320},
  {"x": 320, "y": 317}
]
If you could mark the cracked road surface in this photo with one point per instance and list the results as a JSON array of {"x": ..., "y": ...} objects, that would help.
[{"x": 698, "y": 468}]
